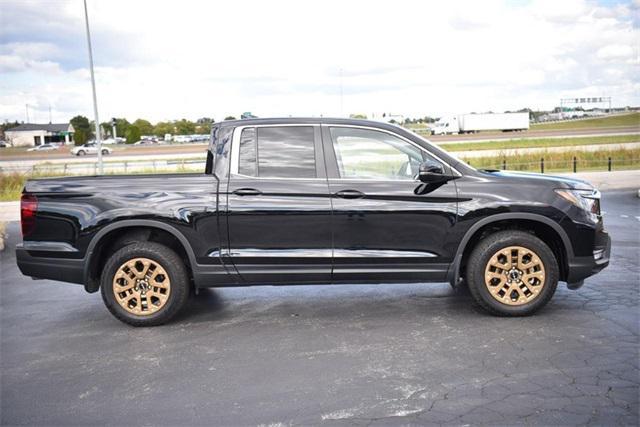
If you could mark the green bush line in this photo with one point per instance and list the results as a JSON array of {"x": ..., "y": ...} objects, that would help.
[{"x": 513, "y": 144}]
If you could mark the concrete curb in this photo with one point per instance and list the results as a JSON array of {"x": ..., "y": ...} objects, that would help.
[
  {"x": 616, "y": 180},
  {"x": 9, "y": 211}
]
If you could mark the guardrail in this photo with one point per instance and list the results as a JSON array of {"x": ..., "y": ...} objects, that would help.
[{"x": 574, "y": 164}]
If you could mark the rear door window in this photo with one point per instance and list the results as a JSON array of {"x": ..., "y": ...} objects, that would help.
[{"x": 278, "y": 152}]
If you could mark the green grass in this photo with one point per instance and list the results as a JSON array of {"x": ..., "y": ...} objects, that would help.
[
  {"x": 586, "y": 160},
  {"x": 631, "y": 119},
  {"x": 11, "y": 186},
  {"x": 539, "y": 142}
]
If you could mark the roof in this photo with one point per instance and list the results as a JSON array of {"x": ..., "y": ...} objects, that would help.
[
  {"x": 49, "y": 127},
  {"x": 307, "y": 120}
]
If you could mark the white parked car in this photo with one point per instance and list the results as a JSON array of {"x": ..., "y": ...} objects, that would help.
[
  {"x": 45, "y": 147},
  {"x": 89, "y": 148}
]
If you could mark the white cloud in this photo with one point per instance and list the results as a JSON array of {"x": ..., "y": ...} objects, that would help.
[
  {"x": 615, "y": 51},
  {"x": 165, "y": 60}
]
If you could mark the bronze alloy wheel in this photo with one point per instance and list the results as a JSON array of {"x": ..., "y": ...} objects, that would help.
[
  {"x": 514, "y": 275},
  {"x": 141, "y": 286}
]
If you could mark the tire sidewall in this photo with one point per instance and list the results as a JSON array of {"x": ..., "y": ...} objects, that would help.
[
  {"x": 527, "y": 241},
  {"x": 166, "y": 258}
]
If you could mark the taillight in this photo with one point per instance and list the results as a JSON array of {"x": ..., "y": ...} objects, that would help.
[{"x": 28, "y": 208}]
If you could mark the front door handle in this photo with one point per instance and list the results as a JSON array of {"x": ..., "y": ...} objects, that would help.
[
  {"x": 247, "y": 192},
  {"x": 350, "y": 194}
]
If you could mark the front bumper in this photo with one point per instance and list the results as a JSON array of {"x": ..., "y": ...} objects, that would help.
[{"x": 582, "y": 267}]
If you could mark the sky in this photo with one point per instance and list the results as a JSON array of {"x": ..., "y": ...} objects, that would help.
[{"x": 165, "y": 60}]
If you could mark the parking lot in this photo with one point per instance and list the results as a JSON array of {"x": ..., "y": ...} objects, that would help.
[{"x": 346, "y": 355}]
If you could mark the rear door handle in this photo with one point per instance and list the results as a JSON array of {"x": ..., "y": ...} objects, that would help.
[
  {"x": 350, "y": 194},
  {"x": 247, "y": 192}
]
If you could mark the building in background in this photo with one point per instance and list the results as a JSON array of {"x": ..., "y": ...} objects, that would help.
[{"x": 32, "y": 134}]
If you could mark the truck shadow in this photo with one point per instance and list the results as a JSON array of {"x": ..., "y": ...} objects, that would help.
[
  {"x": 212, "y": 305},
  {"x": 208, "y": 305}
]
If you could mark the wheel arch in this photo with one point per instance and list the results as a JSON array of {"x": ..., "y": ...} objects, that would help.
[
  {"x": 118, "y": 233},
  {"x": 546, "y": 229}
]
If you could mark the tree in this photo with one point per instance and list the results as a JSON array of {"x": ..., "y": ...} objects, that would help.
[
  {"x": 132, "y": 134},
  {"x": 80, "y": 136},
  {"x": 82, "y": 129},
  {"x": 203, "y": 125},
  {"x": 358, "y": 116},
  {"x": 203, "y": 128},
  {"x": 122, "y": 125},
  {"x": 229, "y": 118},
  {"x": 145, "y": 127},
  {"x": 163, "y": 128},
  {"x": 5, "y": 126},
  {"x": 185, "y": 127}
]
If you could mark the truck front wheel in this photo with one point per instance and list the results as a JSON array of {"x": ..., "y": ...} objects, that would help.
[
  {"x": 512, "y": 273},
  {"x": 144, "y": 284}
]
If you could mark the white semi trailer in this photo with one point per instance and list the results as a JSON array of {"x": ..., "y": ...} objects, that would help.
[{"x": 468, "y": 123}]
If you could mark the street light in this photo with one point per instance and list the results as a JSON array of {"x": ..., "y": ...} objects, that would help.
[{"x": 93, "y": 86}]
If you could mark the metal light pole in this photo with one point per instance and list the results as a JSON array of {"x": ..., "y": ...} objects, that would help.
[{"x": 93, "y": 86}]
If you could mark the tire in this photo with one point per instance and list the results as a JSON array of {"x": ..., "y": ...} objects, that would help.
[
  {"x": 81, "y": 153},
  {"x": 105, "y": 152},
  {"x": 154, "y": 305},
  {"x": 534, "y": 276}
]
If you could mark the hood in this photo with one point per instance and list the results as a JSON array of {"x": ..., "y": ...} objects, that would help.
[{"x": 558, "y": 181}]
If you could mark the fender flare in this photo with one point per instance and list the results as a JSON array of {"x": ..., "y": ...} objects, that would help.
[
  {"x": 454, "y": 269},
  {"x": 132, "y": 223}
]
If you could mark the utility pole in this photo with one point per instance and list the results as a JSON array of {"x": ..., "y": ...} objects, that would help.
[{"x": 93, "y": 86}]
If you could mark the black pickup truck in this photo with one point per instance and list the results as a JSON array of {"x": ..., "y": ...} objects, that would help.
[{"x": 313, "y": 201}]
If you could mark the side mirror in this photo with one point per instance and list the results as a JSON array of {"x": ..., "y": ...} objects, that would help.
[{"x": 431, "y": 173}]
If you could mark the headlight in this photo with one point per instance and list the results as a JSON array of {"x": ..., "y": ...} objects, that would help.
[{"x": 589, "y": 200}]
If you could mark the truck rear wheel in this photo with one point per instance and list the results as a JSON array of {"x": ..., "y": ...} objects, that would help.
[
  {"x": 144, "y": 284},
  {"x": 512, "y": 273}
]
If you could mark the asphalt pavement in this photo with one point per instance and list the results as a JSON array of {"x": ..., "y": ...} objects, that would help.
[{"x": 337, "y": 355}]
